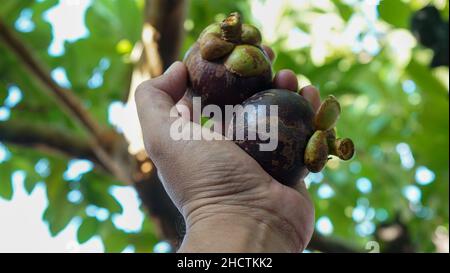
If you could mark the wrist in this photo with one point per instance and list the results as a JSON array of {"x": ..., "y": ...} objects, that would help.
[
  {"x": 243, "y": 228},
  {"x": 234, "y": 233}
]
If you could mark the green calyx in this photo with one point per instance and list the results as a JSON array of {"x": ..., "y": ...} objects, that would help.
[
  {"x": 247, "y": 61},
  {"x": 237, "y": 43},
  {"x": 343, "y": 148},
  {"x": 328, "y": 114},
  {"x": 340, "y": 147},
  {"x": 213, "y": 47},
  {"x": 213, "y": 28},
  {"x": 316, "y": 153},
  {"x": 251, "y": 35},
  {"x": 324, "y": 143}
]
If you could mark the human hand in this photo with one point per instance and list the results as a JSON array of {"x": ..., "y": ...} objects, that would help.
[{"x": 229, "y": 203}]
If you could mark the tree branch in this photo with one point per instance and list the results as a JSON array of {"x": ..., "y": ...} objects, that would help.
[
  {"x": 167, "y": 17},
  {"x": 47, "y": 137},
  {"x": 330, "y": 245},
  {"x": 65, "y": 96},
  {"x": 68, "y": 101}
]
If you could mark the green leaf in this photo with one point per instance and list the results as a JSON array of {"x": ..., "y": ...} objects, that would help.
[
  {"x": 31, "y": 180},
  {"x": 344, "y": 10},
  {"x": 11, "y": 8},
  {"x": 114, "y": 240},
  {"x": 58, "y": 215},
  {"x": 145, "y": 240},
  {"x": 60, "y": 211},
  {"x": 395, "y": 12},
  {"x": 6, "y": 189},
  {"x": 96, "y": 191},
  {"x": 87, "y": 229}
]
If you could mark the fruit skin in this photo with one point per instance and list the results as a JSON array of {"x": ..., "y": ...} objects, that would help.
[
  {"x": 215, "y": 84},
  {"x": 227, "y": 64},
  {"x": 295, "y": 128}
]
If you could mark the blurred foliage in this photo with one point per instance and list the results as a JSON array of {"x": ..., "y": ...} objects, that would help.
[{"x": 310, "y": 38}]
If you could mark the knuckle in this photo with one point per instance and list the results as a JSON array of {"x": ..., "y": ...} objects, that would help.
[{"x": 142, "y": 89}]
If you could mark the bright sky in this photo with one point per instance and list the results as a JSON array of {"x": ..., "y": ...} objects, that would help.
[{"x": 22, "y": 228}]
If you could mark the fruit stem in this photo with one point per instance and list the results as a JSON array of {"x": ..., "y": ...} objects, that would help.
[
  {"x": 231, "y": 28},
  {"x": 342, "y": 148}
]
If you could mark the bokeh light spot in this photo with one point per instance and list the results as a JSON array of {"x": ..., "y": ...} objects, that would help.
[
  {"x": 162, "y": 247},
  {"x": 364, "y": 185},
  {"x": 14, "y": 96},
  {"x": 325, "y": 191},
  {"x": 24, "y": 23},
  {"x": 324, "y": 225},
  {"x": 412, "y": 193},
  {"x": 76, "y": 168},
  {"x": 424, "y": 176}
]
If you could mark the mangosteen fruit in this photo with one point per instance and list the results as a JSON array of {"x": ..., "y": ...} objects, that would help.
[
  {"x": 305, "y": 139},
  {"x": 227, "y": 64}
]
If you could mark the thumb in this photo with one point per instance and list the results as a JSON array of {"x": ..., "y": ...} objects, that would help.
[
  {"x": 154, "y": 100},
  {"x": 173, "y": 83}
]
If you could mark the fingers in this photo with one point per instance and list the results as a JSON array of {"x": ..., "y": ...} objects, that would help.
[
  {"x": 185, "y": 104},
  {"x": 312, "y": 95},
  {"x": 155, "y": 99},
  {"x": 286, "y": 79},
  {"x": 173, "y": 81},
  {"x": 269, "y": 52}
]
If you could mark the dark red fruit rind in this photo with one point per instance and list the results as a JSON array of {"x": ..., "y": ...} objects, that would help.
[
  {"x": 295, "y": 127},
  {"x": 216, "y": 85}
]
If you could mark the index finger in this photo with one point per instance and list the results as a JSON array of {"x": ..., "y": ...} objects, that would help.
[
  {"x": 269, "y": 52},
  {"x": 312, "y": 95},
  {"x": 155, "y": 100}
]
